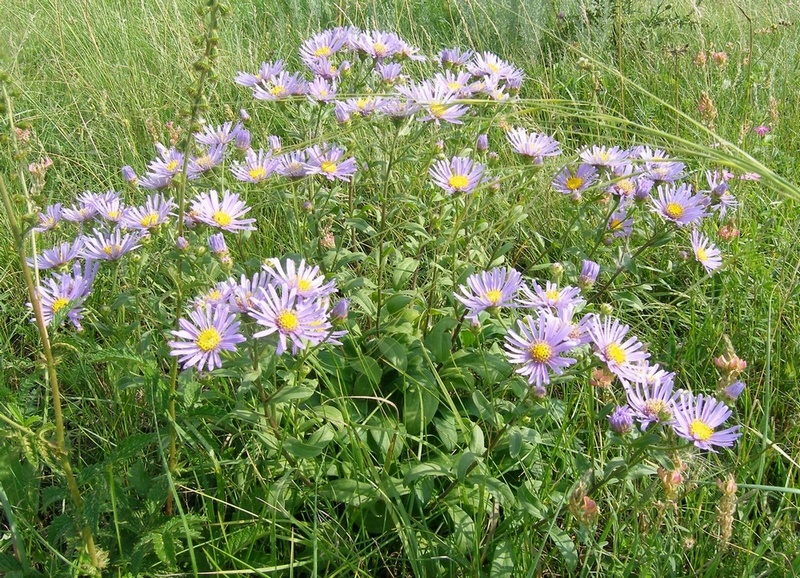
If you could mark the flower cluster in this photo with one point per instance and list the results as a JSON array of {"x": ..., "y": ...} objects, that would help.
[{"x": 291, "y": 302}]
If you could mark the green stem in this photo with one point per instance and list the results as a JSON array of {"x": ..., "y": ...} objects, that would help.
[
  {"x": 382, "y": 233},
  {"x": 621, "y": 267}
]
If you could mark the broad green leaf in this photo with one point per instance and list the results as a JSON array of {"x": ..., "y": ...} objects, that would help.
[
  {"x": 350, "y": 492},
  {"x": 503, "y": 560},
  {"x": 403, "y": 272},
  {"x": 427, "y": 470},
  {"x": 566, "y": 546}
]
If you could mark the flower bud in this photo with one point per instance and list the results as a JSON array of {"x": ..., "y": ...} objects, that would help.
[
  {"x": 621, "y": 421},
  {"x": 182, "y": 243},
  {"x": 341, "y": 309},
  {"x": 482, "y": 142}
]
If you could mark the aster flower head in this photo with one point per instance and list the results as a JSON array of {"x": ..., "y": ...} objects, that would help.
[
  {"x": 398, "y": 109},
  {"x": 439, "y": 102},
  {"x": 705, "y": 252},
  {"x": 217, "y": 295},
  {"x": 455, "y": 82},
  {"x": 326, "y": 160},
  {"x": 223, "y": 213},
  {"x": 153, "y": 213},
  {"x": 537, "y": 346},
  {"x": 257, "y": 166},
  {"x": 575, "y": 183},
  {"x": 601, "y": 156},
  {"x": 322, "y": 45},
  {"x": 621, "y": 420},
  {"x": 201, "y": 338},
  {"x": 65, "y": 294},
  {"x": 161, "y": 171},
  {"x": 217, "y": 244},
  {"x": 612, "y": 348},
  {"x": 321, "y": 90},
  {"x": 589, "y": 272},
  {"x": 363, "y": 106},
  {"x": 489, "y": 64},
  {"x": 112, "y": 211},
  {"x": 58, "y": 256},
  {"x": 130, "y": 175},
  {"x": 80, "y": 214},
  {"x": 302, "y": 322},
  {"x": 218, "y": 135},
  {"x": 206, "y": 160},
  {"x": 90, "y": 200},
  {"x": 280, "y": 86},
  {"x": 454, "y": 56},
  {"x": 378, "y": 44},
  {"x": 459, "y": 175},
  {"x": 619, "y": 224},
  {"x": 293, "y": 164},
  {"x": 489, "y": 290},
  {"x": 50, "y": 218},
  {"x": 533, "y": 145},
  {"x": 267, "y": 70},
  {"x": 102, "y": 246},
  {"x": 697, "y": 418},
  {"x": 304, "y": 280},
  {"x": 241, "y": 295},
  {"x": 662, "y": 171},
  {"x": 651, "y": 402},
  {"x": 551, "y": 297},
  {"x": 389, "y": 72},
  {"x": 733, "y": 391},
  {"x": 679, "y": 205}
]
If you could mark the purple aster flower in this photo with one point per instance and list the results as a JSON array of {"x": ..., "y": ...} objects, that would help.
[
  {"x": 257, "y": 167},
  {"x": 624, "y": 181},
  {"x": 293, "y": 164},
  {"x": 705, "y": 252},
  {"x": 733, "y": 391},
  {"x": 243, "y": 139},
  {"x": 621, "y": 420},
  {"x": 538, "y": 347},
  {"x": 454, "y": 56},
  {"x": 275, "y": 144},
  {"x": 619, "y": 224},
  {"x": 455, "y": 82},
  {"x": 342, "y": 307},
  {"x": 161, "y": 171},
  {"x": 216, "y": 243},
  {"x": 440, "y": 103},
  {"x": 280, "y": 86},
  {"x": 218, "y": 135},
  {"x": 696, "y": 419},
  {"x": 482, "y": 142},
  {"x": 643, "y": 188},
  {"x": 130, "y": 175},
  {"x": 112, "y": 211},
  {"x": 79, "y": 214},
  {"x": 411, "y": 52},
  {"x": 533, "y": 145},
  {"x": 489, "y": 290},
  {"x": 600, "y": 156},
  {"x": 651, "y": 402},
  {"x": 679, "y": 205},
  {"x": 459, "y": 175},
  {"x": 108, "y": 246},
  {"x": 551, "y": 297},
  {"x": 205, "y": 161},
  {"x": 589, "y": 272},
  {"x": 488, "y": 64},
  {"x": 90, "y": 199},
  {"x": 722, "y": 200},
  {"x": 611, "y": 348},
  {"x": 378, "y": 44},
  {"x": 301, "y": 321},
  {"x": 50, "y": 218},
  {"x": 240, "y": 295},
  {"x": 576, "y": 183},
  {"x": 267, "y": 70},
  {"x": 225, "y": 214},
  {"x": 327, "y": 161},
  {"x": 322, "y": 45},
  {"x": 663, "y": 171},
  {"x": 321, "y": 90},
  {"x": 58, "y": 256},
  {"x": 493, "y": 88},
  {"x": 155, "y": 212},
  {"x": 363, "y": 106},
  {"x": 578, "y": 330},
  {"x": 202, "y": 337},
  {"x": 217, "y": 295},
  {"x": 389, "y": 72},
  {"x": 395, "y": 108},
  {"x": 65, "y": 294},
  {"x": 304, "y": 280}
]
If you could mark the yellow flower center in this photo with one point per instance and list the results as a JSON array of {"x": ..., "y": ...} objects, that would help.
[
  {"x": 172, "y": 166},
  {"x": 113, "y": 214},
  {"x": 257, "y": 173},
  {"x": 379, "y": 48},
  {"x": 674, "y": 210},
  {"x": 328, "y": 167},
  {"x": 303, "y": 284},
  {"x": 277, "y": 90},
  {"x": 701, "y": 254},
  {"x": 208, "y": 339},
  {"x": 574, "y": 183},
  {"x": 458, "y": 182},
  {"x": 553, "y": 294},
  {"x": 603, "y": 156},
  {"x": 493, "y": 67},
  {"x": 59, "y": 304},
  {"x": 322, "y": 51},
  {"x": 362, "y": 103},
  {"x": 109, "y": 249},
  {"x": 453, "y": 85},
  {"x": 214, "y": 294},
  {"x": 615, "y": 225},
  {"x": 541, "y": 352},
  {"x": 438, "y": 110},
  {"x": 626, "y": 187},
  {"x": 493, "y": 295},
  {"x": 204, "y": 162},
  {"x": 700, "y": 430},
  {"x": 287, "y": 321},
  {"x": 222, "y": 218},
  {"x": 654, "y": 407},
  {"x": 149, "y": 220},
  {"x": 615, "y": 353}
]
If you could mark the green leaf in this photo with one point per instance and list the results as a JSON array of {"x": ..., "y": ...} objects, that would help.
[
  {"x": 291, "y": 394},
  {"x": 483, "y": 407},
  {"x": 369, "y": 367},
  {"x": 477, "y": 442},
  {"x": 629, "y": 299},
  {"x": 419, "y": 406},
  {"x": 464, "y": 464},
  {"x": 398, "y": 302},
  {"x": 310, "y": 448},
  {"x": 439, "y": 339},
  {"x": 495, "y": 487},
  {"x": 426, "y": 470},
  {"x": 566, "y": 546},
  {"x": 393, "y": 353},
  {"x": 403, "y": 272},
  {"x": 514, "y": 442},
  {"x": 503, "y": 560},
  {"x": 350, "y": 492}
]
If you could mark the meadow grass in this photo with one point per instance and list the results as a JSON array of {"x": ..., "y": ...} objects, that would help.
[{"x": 97, "y": 81}]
